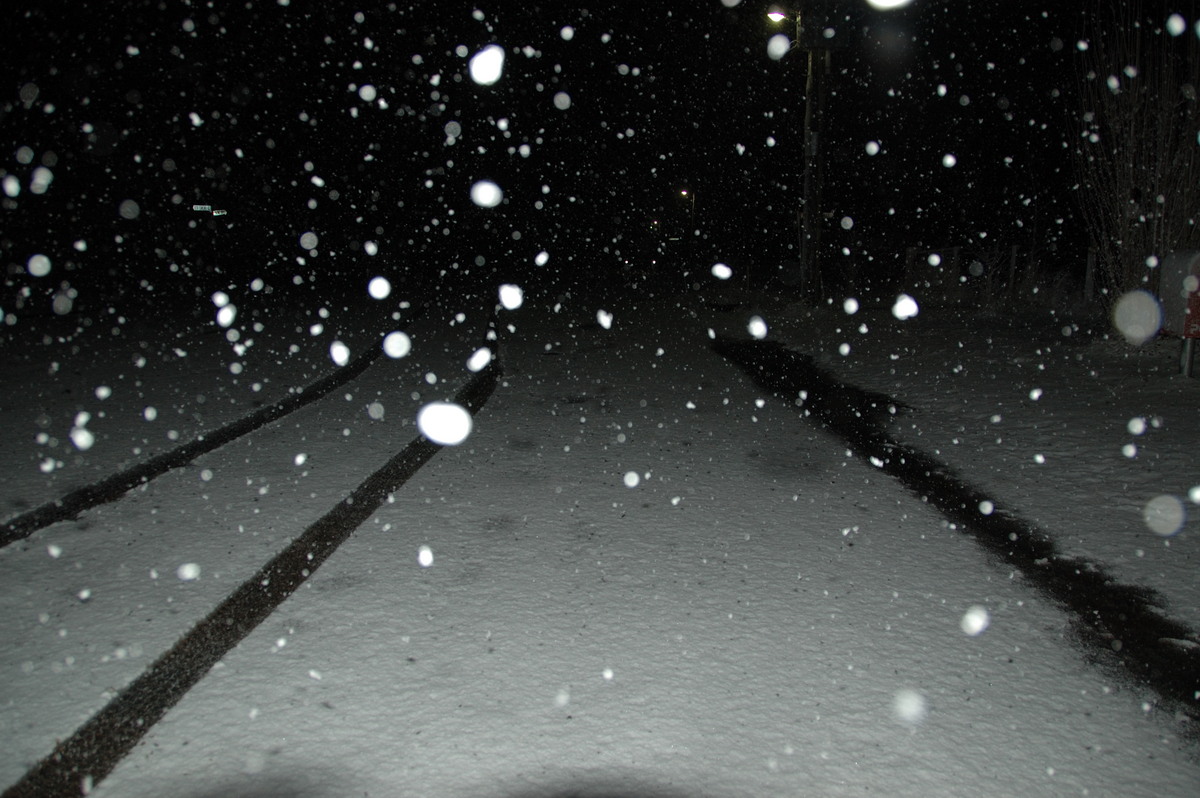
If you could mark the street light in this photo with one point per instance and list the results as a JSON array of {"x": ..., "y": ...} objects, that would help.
[
  {"x": 818, "y": 43},
  {"x": 692, "y": 215}
]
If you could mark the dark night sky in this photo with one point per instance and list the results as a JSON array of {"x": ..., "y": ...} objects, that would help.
[{"x": 271, "y": 86}]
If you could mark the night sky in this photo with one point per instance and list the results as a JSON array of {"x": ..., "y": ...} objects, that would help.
[{"x": 143, "y": 113}]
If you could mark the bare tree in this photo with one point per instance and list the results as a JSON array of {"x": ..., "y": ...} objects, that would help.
[{"x": 1137, "y": 158}]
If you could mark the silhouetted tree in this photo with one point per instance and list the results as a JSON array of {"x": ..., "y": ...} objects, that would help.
[{"x": 1137, "y": 158}]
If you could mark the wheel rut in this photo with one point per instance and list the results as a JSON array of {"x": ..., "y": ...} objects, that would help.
[{"x": 1115, "y": 622}]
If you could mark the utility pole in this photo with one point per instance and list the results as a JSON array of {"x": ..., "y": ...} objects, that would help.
[
  {"x": 817, "y": 35},
  {"x": 819, "y": 62}
]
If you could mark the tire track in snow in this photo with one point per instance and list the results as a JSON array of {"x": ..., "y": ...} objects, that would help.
[
  {"x": 1112, "y": 619},
  {"x": 87, "y": 756},
  {"x": 117, "y": 485}
]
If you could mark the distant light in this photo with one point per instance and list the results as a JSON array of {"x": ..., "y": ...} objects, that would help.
[
  {"x": 888, "y": 5},
  {"x": 776, "y": 16}
]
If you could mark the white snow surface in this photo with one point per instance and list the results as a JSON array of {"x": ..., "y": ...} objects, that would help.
[{"x": 761, "y": 614}]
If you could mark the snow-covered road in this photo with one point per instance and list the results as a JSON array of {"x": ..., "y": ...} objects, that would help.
[{"x": 640, "y": 575}]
